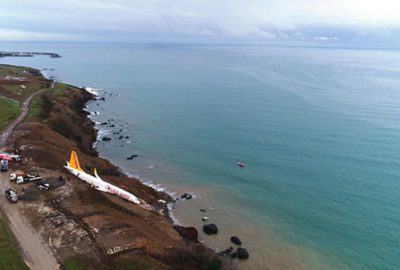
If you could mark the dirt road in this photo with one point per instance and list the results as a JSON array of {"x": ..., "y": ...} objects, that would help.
[
  {"x": 5, "y": 136},
  {"x": 36, "y": 253}
]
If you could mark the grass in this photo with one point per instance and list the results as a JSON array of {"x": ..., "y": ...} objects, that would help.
[
  {"x": 6, "y": 70},
  {"x": 35, "y": 108},
  {"x": 9, "y": 111},
  {"x": 75, "y": 263},
  {"x": 59, "y": 89},
  {"x": 9, "y": 256},
  {"x": 20, "y": 90},
  {"x": 22, "y": 93}
]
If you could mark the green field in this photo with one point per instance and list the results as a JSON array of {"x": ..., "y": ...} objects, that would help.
[
  {"x": 6, "y": 70},
  {"x": 37, "y": 102},
  {"x": 26, "y": 81},
  {"x": 9, "y": 256},
  {"x": 75, "y": 263},
  {"x": 22, "y": 93},
  {"x": 34, "y": 107},
  {"x": 59, "y": 89},
  {"x": 9, "y": 110}
]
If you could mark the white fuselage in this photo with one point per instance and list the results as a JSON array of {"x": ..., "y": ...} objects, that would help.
[{"x": 103, "y": 186}]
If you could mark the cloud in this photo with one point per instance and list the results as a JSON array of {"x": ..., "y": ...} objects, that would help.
[
  {"x": 253, "y": 20},
  {"x": 19, "y": 35},
  {"x": 322, "y": 38}
]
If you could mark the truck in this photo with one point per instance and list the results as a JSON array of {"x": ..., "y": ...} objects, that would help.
[{"x": 21, "y": 177}]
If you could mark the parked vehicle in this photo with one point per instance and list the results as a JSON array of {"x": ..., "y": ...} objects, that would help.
[
  {"x": 10, "y": 157},
  {"x": 20, "y": 177},
  {"x": 3, "y": 165},
  {"x": 42, "y": 185},
  {"x": 17, "y": 173},
  {"x": 11, "y": 195}
]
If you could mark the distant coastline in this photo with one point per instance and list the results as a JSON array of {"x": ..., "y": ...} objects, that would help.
[{"x": 29, "y": 54}]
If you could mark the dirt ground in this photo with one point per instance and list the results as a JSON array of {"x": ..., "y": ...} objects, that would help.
[{"x": 36, "y": 253}]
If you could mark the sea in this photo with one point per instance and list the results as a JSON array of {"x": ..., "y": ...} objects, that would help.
[{"x": 318, "y": 130}]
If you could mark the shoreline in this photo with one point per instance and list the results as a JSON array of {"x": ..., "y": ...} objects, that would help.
[
  {"x": 39, "y": 152},
  {"x": 99, "y": 134},
  {"x": 95, "y": 125},
  {"x": 177, "y": 204},
  {"x": 103, "y": 132}
]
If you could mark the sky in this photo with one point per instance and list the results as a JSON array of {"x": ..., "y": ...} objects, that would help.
[{"x": 297, "y": 22}]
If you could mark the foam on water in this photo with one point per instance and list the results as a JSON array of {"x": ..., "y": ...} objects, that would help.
[{"x": 91, "y": 90}]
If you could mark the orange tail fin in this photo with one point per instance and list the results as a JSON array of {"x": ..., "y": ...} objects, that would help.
[{"x": 74, "y": 162}]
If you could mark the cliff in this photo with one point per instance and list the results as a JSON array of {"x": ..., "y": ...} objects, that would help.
[{"x": 88, "y": 229}]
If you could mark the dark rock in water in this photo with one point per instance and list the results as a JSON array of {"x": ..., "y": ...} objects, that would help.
[
  {"x": 102, "y": 99},
  {"x": 132, "y": 157},
  {"x": 106, "y": 139},
  {"x": 126, "y": 137},
  {"x": 103, "y": 124},
  {"x": 188, "y": 233},
  {"x": 234, "y": 255},
  {"x": 112, "y": 125},
  {"x": 236, "y": 240},
  {"x": 120, "y": 137},
  {"x": 210, "y": 229},
  {"x": 203, "y": 210},
  {"x": 242, "y": 254},
  {"x": 226, "y": 252},
  {"x": 186, "y": 196}
]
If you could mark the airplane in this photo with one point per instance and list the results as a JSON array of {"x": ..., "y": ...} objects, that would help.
[{"x": 96, "y": 182}]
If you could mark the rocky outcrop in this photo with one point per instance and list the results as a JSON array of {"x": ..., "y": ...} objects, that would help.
[
  {"x": 210, "y": 229},
  {"x": 188, "y": 233},
  {"x": 236, "y": 240},
  {"x": 242, "y": 254}
]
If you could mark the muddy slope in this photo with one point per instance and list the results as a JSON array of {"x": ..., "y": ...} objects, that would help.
[{"x": 86, "y": 226}]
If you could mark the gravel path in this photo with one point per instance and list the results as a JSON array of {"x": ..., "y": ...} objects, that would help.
[
  {"x": 36, "y": 253},
  {"x": 24, "y": 112}
]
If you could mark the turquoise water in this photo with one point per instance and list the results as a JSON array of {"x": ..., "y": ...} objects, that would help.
[{"x": 317, "y": 128}]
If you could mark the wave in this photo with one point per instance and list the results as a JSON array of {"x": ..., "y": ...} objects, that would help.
[{"x": 91, "y": 90}]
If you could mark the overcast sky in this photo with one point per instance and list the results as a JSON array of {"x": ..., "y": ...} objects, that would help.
[{"x": 253, "y": 21}]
